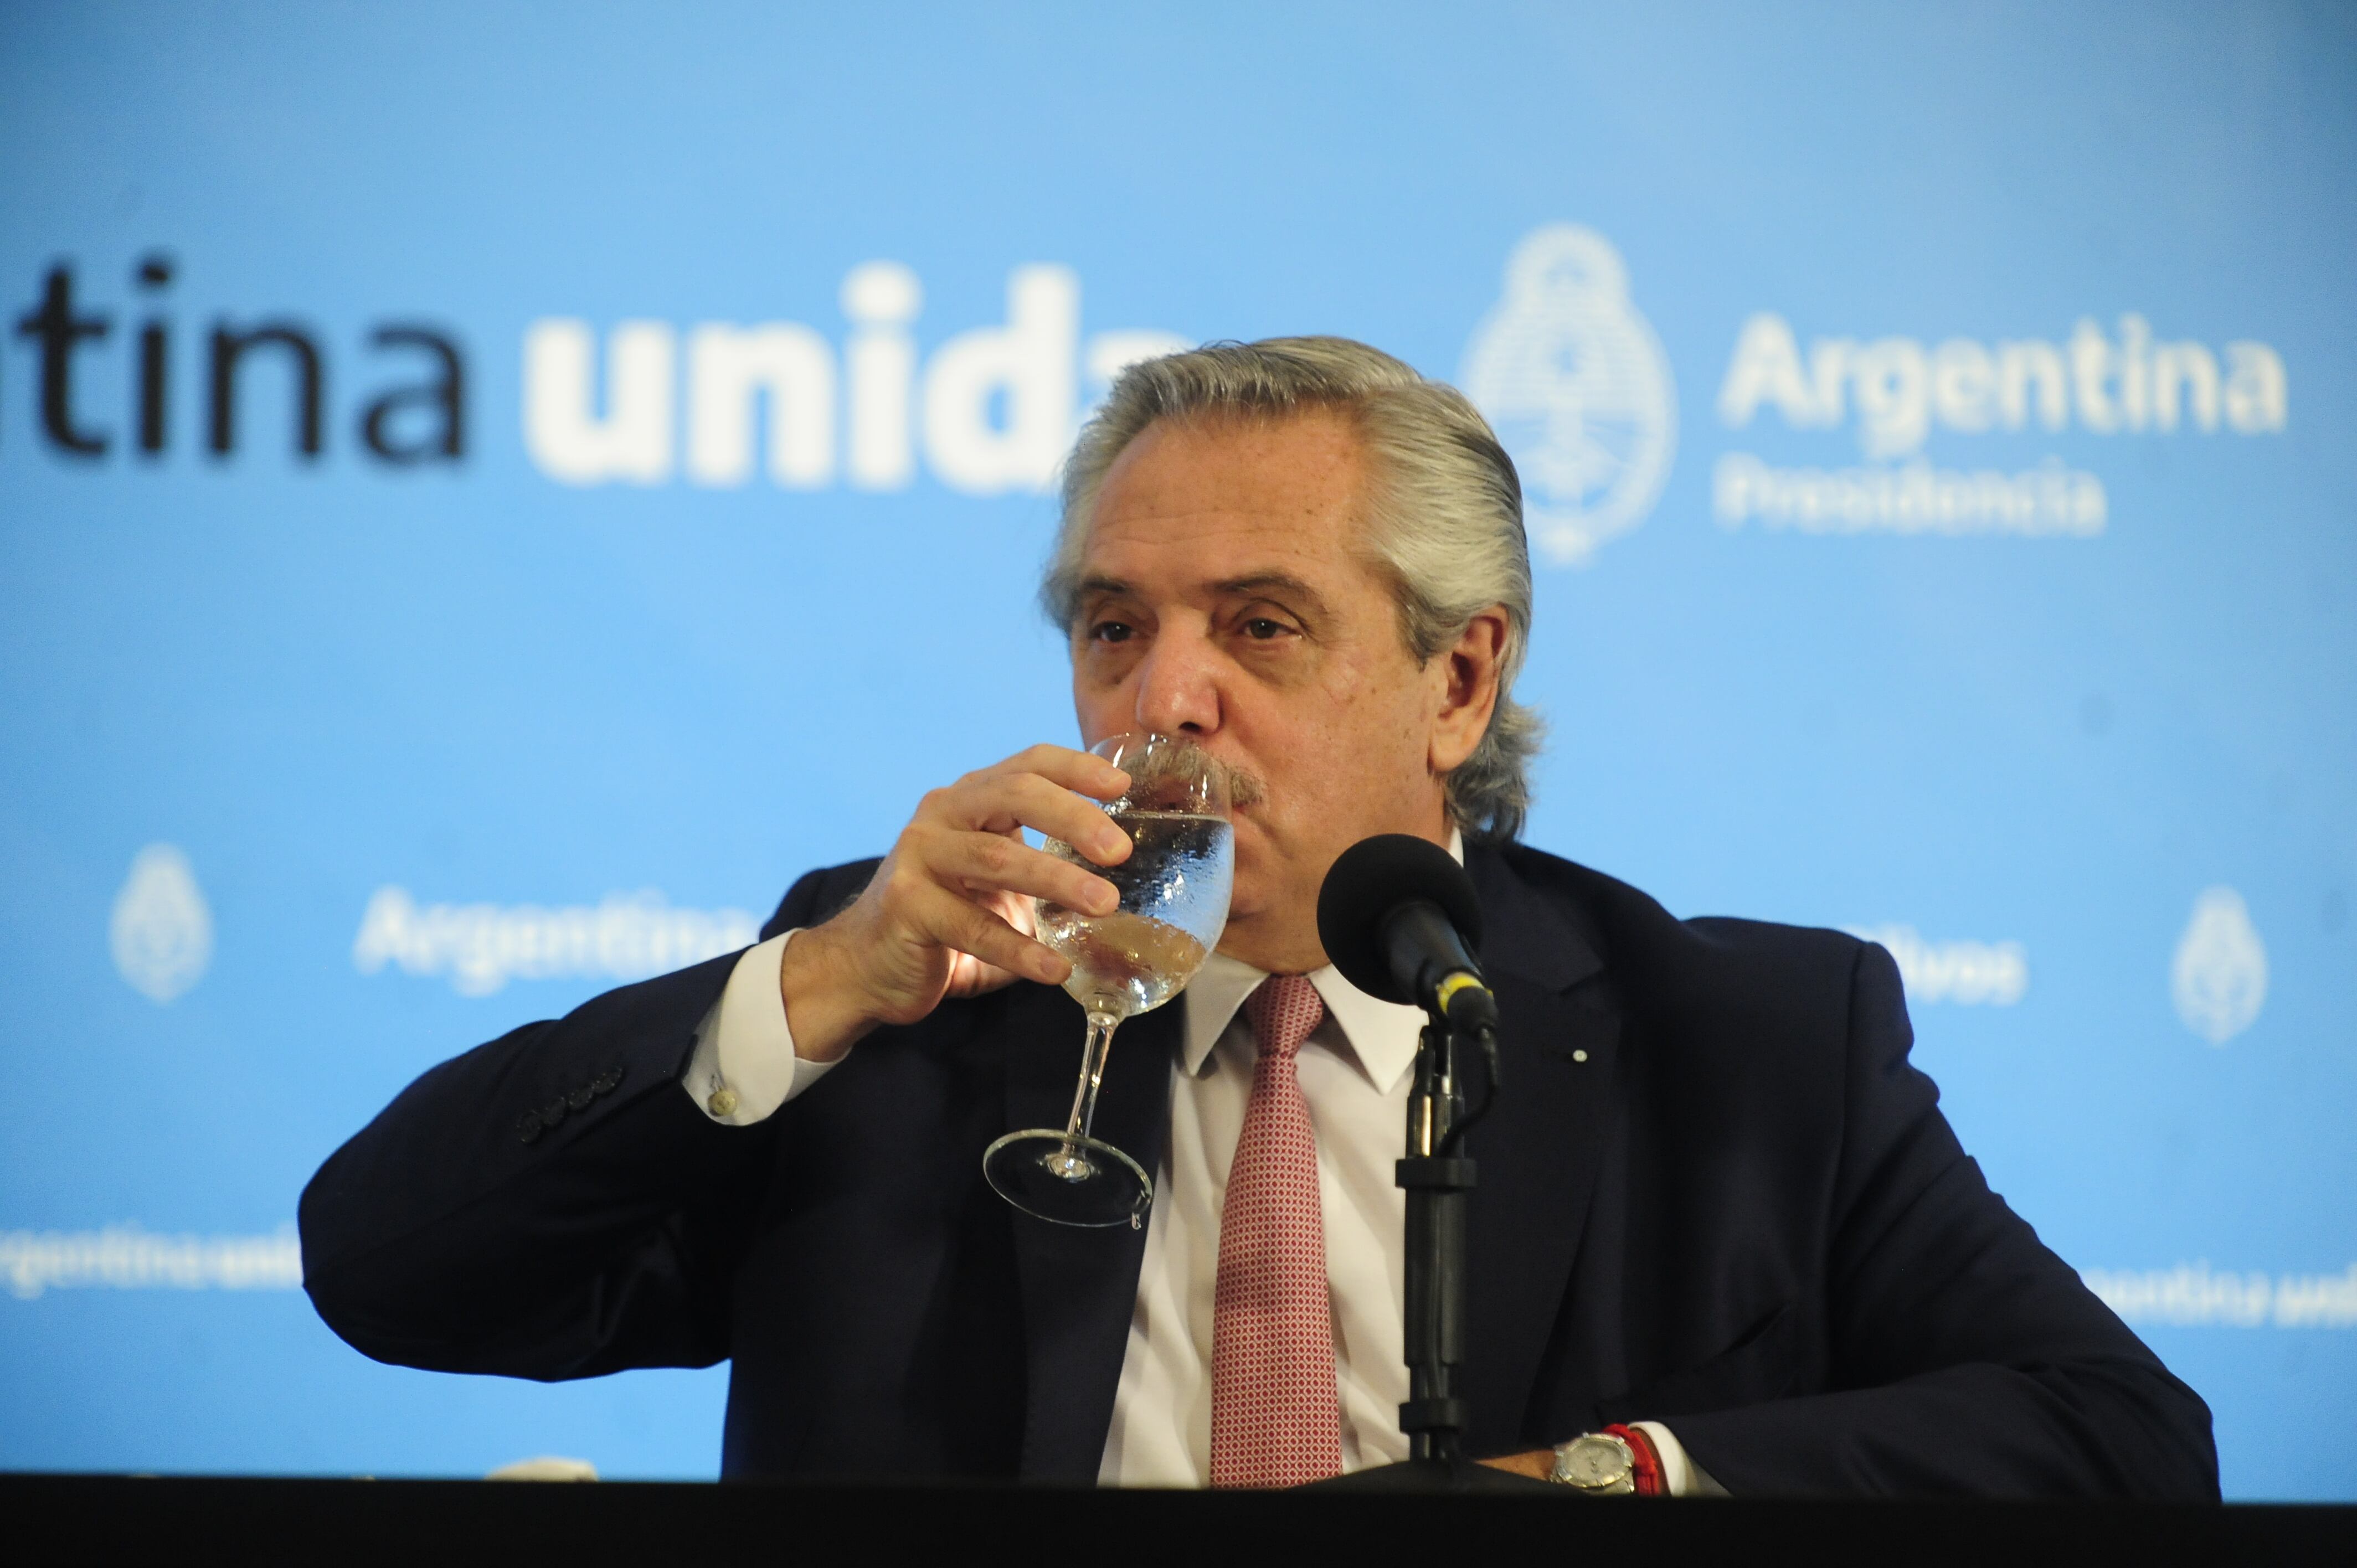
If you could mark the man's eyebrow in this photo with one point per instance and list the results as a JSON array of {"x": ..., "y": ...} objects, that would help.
[{"x": 1280, "y": 585}]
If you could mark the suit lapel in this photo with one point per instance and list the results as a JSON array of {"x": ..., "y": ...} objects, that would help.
[
  {"x": 1538, "y": 1151},
  {"x": 1080, "y": 1286}
]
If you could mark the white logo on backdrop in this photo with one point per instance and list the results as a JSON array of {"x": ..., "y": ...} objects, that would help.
[
  {"x": 1895, "y": 392},
  {"x": 1899, "y": 390},
  {"x": 1578, "y": 389},
  {"x": 1967, "y": 973},
  {"x": 162, "y": 933},
  {"x": 2219, "y": 981},
  {"x": 481, "y": 947},
  {"x": 994, "y": 411},
  {"x": 129, "y": 1257},
  {"x": 2194, "y": 1295}
]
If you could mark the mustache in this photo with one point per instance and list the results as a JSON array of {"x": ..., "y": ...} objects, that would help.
[
  {"x": 1245, "y": 787},
  {"x": 1188, "y": 757}
]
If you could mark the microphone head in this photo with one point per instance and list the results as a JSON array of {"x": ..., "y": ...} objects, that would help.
[{"x": 1374, "y": 877}]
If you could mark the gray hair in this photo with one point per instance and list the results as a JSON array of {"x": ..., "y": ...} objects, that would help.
[{"x": 1445, "y": 521}]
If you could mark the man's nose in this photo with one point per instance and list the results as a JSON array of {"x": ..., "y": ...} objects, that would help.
[{"x": 1178, "y": 688}]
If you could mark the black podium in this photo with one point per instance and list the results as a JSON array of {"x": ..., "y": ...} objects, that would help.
[{"x": 132, "y": 1520}]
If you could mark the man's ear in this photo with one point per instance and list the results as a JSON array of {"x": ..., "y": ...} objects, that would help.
[{"x": 1468, "y": 673}]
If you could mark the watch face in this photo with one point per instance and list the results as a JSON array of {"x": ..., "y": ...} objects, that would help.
[{"x": 1595, "y": 1461}]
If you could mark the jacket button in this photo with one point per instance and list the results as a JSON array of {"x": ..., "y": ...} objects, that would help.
[
  {"x": 528, "y": 1127},
  {"x": 580, "y": 1098},
  {"x": 553, "y": 1112},
  {"x": 608, "y": 1082}
]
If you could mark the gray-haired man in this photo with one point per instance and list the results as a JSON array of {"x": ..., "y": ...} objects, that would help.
[{"x": 1723, "y": 1238}]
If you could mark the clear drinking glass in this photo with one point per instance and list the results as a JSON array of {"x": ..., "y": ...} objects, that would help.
[{"x": 1174, "y": 904}]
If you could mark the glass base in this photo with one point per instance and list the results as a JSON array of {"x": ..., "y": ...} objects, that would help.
[{"x": 1068, "y": 1180}]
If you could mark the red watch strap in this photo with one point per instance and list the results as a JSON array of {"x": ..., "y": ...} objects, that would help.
[{"x": 1647, "y": 1465}]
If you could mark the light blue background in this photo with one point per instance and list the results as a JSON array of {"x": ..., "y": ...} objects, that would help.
[{"x": 482, "y": 685}]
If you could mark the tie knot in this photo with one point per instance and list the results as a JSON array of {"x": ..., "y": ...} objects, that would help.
[{"x": 1282, "y": 1010}]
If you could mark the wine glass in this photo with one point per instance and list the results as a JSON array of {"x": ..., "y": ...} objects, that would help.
[{"x": 1174, "y": 904}]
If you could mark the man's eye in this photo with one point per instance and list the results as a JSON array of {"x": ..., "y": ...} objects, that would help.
[
  {"x": 1260, "y": 628},
  {"x": 1109, "y": 631}
]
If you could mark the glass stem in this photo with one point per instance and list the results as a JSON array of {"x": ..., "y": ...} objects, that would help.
[{"x": 1093, "y": 1066}]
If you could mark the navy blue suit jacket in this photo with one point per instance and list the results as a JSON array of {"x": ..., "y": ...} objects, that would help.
[{"x": 1714, "y": 1193}]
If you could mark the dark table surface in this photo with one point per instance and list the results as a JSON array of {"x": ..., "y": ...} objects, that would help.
[{"x": 119, "y": 1519}]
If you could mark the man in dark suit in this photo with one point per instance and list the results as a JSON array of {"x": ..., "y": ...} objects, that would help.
[{"x": 1723, "y": 1240}]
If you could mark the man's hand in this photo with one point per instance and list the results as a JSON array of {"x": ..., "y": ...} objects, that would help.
[
  {"x": 1538, "y": 1464},
  {"x": 949, "y": 912}
]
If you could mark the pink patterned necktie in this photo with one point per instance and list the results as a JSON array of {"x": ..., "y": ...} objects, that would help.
[{"x": 1275, "y": 1419}]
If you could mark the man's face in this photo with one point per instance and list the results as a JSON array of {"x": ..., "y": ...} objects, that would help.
[{"x": 1223, "y": 596}]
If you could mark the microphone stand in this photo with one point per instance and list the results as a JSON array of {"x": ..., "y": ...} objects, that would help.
[{"x": 1438, "y": 1180}]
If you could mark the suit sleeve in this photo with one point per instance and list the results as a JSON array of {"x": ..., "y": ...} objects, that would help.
[
  {"x": 550, "y": 1205},
  {"x": 1967, "y": 1358}
]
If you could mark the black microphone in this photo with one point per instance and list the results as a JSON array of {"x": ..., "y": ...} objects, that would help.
[{"x": 1399, "y": 918}]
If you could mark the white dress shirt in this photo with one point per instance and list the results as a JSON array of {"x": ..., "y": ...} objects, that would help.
[{"x": 1354, "y": 1070}]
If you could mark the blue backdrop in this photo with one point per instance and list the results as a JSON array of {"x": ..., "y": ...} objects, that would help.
[{"x": 489, "y": 494}]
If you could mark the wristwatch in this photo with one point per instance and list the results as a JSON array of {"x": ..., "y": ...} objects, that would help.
[
  {"x": 1614, "y": 1462},
  {"x": 1597, "y": 1463}
]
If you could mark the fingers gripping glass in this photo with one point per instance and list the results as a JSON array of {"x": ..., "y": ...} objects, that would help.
[{"x": 1174, "y": 904}]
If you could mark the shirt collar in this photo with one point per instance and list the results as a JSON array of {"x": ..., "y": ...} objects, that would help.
[{"x": 1383, "y": 1035}]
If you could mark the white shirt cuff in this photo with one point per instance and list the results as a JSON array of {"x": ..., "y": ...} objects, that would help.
[
  {"x": 1680, "y": 1477},
  {"x": 744, "y": 1067}
]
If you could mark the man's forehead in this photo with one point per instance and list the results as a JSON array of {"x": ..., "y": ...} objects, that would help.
[
  {"x": 1196, "y": 557},
  {"x": 1229, "y": 503}
]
